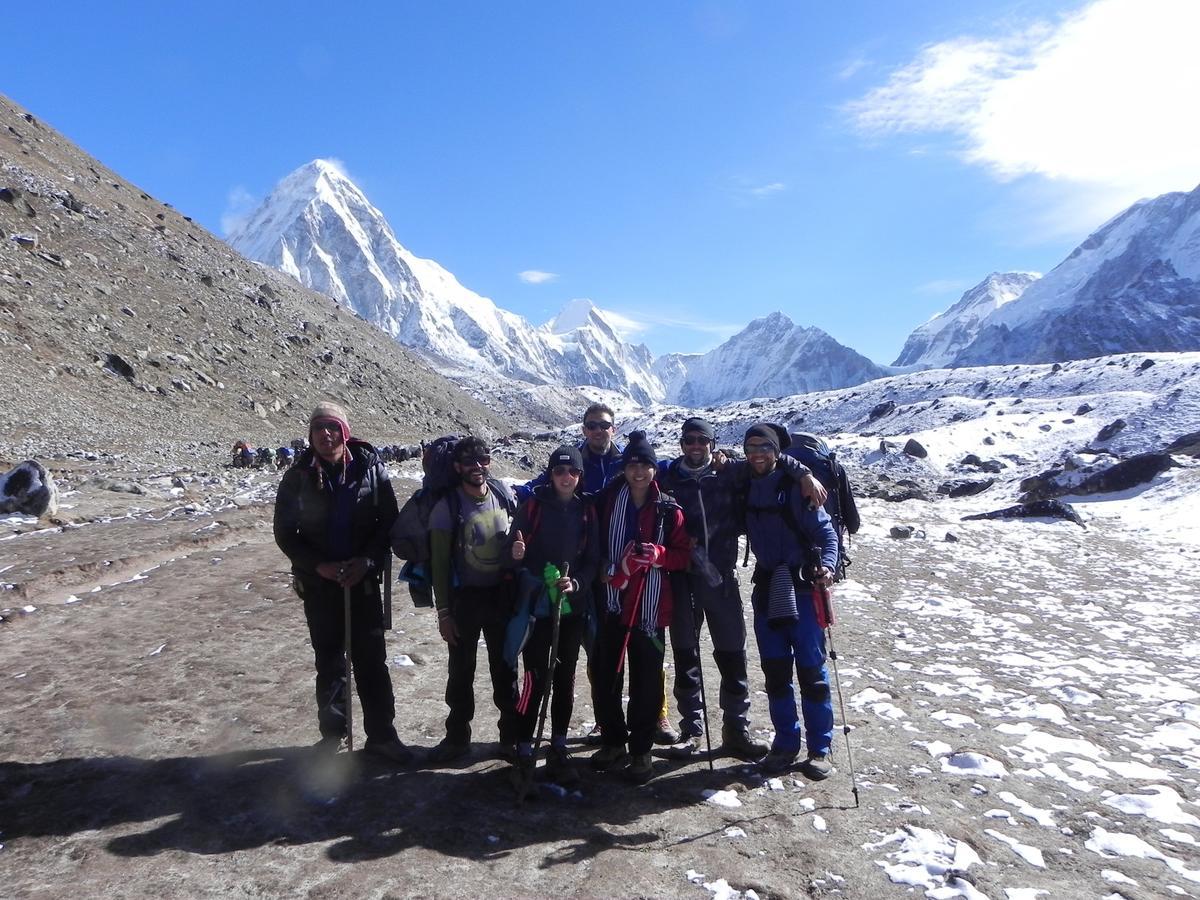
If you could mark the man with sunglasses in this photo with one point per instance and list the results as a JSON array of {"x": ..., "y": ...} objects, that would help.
[
  {"x": 601, "y": 455},
  {"x": 795, "y": 548},
  {"x": 706, "y": 490},
  {"x": 468, "y": 532}
]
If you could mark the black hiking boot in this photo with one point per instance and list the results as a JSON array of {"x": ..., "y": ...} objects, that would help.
[
  {"x": 330, "y": 744},
  {"x": 665, "y": 735},
  {"x": 687, "y": 748},
  {"x": 520, "y": 775},
  {"x": 448, "y": 751},
  {"x": 738, "y": 744},
  {"x": 393, "y": 750},
  {"x": 608, "y": 757},
  {"x": 560, "y": 768},
  {"x": 640, "y": 768},
  {"x": 778, "y": 762}
]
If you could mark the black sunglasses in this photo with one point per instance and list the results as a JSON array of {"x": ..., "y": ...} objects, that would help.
[
  {"x": 565, "y": 470},
  {"x": 597, "y": 426},
  {"x": 755, "y": 449},
  {"x": 481, "y": 460},
  {"x": 691, "y": 440}
]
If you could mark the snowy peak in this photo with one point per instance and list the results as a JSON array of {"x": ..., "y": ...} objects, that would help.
[
  {"x": 936, "y": 343},
  {"x": 1133, "y": 285},
  {"x": 320, "y": 228},
  {"x": 770, "y": 357}
]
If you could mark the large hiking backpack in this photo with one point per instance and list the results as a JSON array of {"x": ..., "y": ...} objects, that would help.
[
  {"x": 815, "y": 453},
  {"x": 410, "y": 534}
]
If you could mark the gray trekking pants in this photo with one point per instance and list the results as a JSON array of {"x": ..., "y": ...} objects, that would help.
[{"x": 721, "y": 607}]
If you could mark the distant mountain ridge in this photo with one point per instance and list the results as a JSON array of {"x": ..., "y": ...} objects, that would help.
[
  {"x": 770, "y": 357},
  {"x": 317, "y": 226},
  {"x": 1132, "y": 286}
]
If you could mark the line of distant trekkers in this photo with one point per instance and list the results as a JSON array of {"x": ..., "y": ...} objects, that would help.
[{"x": 610, "y": 550}]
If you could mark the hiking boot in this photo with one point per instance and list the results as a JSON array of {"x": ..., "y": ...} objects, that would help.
[
  {"x": 330, "y": 744},
  {"x": 665, "y": 736},
  {"x": 687, "y": 748},
  {"x": 596, "y": 735},
  {"x": 608, "y": 757},
  {"x": 520, "y": 774},
  {"x": 640, "y": 768},
  {"x": 392, "y": 750},
  {"x": 560, "y": 768},
  {"x": 817, "y": 766},
  {"x": 448, "y": 751},
  {"x": 738, "y": 743},
  {"x": 778, "y": 762},
  {"x": 508, "y": 751}
]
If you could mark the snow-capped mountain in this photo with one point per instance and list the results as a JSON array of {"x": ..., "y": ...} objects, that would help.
[
  {"x": 320, "y": 228},
  {"x": 936, "y": 343},
  {"x": 1134, "y": 285},
  {"x": 770, "y": 357}
]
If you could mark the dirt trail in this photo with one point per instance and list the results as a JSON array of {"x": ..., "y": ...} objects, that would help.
[{"x": 155, "y": 735}]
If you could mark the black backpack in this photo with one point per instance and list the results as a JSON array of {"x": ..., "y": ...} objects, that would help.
[
  {"x": 410, "y": 534},
  {"x": 817, "y": 455}
]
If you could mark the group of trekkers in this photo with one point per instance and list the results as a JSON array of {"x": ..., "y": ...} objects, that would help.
[{"x": 607, "y": 550}]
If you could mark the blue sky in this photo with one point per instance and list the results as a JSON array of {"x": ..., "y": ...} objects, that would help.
[{"x": 688, "y": 165}]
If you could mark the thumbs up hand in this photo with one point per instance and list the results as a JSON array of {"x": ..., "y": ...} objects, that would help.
[{"x": 518, "y": 546}]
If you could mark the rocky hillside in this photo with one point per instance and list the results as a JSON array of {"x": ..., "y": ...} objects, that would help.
[{"x": 127, "y": 328}]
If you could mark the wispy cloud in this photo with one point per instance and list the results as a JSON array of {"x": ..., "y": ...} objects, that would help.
[
  {"x": 943, "y": 286},
  {"x": 1096, "y": 102},
  {"x": 239, "y": 203},
  {"x": 766, "y": 190},
  {"x": 853, "y": 66},
  {"x": 535, "y": 276},
  {"x": 629, "y": 324}
]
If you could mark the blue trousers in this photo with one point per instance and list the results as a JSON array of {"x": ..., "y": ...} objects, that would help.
[{"x": 798, "y": 646}]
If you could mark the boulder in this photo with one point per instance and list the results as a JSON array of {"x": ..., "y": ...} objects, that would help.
[
  {"x": 913, "y": 447},
  {"x": 28, "y": 489},
  {"x": 1109, "y": 431},
  {"x": 881, "y": 409},
  {"x": 1188, "y": 445},
  {"x": 1128, "y": 473},
  {"x": 1038, "y": 509},
  {"x": 902, "y": 532},
  {"x": 964, "y": 487}
]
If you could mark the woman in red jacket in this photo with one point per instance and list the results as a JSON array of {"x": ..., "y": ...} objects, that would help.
[{"x": 643, "y": 539}]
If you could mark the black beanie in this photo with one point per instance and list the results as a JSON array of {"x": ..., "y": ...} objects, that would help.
[
  {"x": 775, "y": 435},
  {"x": 566, "y": 456},
  {"x": 696, "y": 424},
  {"x": 638, "y": 449}
]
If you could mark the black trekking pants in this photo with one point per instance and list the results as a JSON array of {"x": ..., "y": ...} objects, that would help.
[
  {"x": 324, "y": 609},
  {"x": 479, "y": 611},
  {"x": 644, "y": 662},
  {"x": 536, "y": 657}
]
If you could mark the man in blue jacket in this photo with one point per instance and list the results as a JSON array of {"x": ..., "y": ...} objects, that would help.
[
  {"x": 601, "y": 455},
  {"x": 795, "y": 547}
]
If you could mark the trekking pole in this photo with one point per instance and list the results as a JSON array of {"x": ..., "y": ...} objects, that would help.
[
  {"x": 349, "y": 674},
  {"x": 387, "y": 593},
  {"x": 696, "y": 635},
  {"x": 555, "y": 619},
  {"x": 823, "y": 604}
]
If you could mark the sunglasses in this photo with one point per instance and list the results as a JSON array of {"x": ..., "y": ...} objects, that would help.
[
  {"x": 482, "y": 460},
  {"x": 327, "y": 425},
  {"x": 691, "y": 440},
  {"x": 758, "y": 449},
  {"x": 558, "y": 471},
  {"x": 597, "y": 426}
]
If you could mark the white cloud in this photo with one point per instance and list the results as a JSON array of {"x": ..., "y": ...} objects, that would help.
[
  {"x": 639, "y": 322},
  {"x": 534, "y": 276},
  {"x": 1100, "y": 101},
  {"x": 944, "y": 286},
  {"x": 239, "y": 203},
  {"x": 766, "y": 190}
]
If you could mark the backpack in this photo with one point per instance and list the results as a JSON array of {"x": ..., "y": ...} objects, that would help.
[
  {"x": 410, "y": 533},
  {"x": 816, "y": 454}
]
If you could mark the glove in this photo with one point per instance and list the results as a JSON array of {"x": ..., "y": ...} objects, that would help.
[{"x": 651, "y": 555}]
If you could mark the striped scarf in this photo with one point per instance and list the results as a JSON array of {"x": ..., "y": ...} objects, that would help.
[{"x": 646, "y": 584}]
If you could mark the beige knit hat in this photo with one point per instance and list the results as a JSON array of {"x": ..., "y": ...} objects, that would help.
[{"x": 329, "y": 410}]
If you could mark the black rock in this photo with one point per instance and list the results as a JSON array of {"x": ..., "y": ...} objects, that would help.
[
  {"x": 901, "y": 532},
  {"x": 965, "y": 487},
  {"x": 1084, "y": 409},
  {"x": 1126, "y": 474},
  {"x": 1188, "y": 445},
  {"x": 1038, "y": 509},
  {"x": 913, "y": 447},
  {"x": 1109, "y": 431},
  {"x": 881, "y": 409}
]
